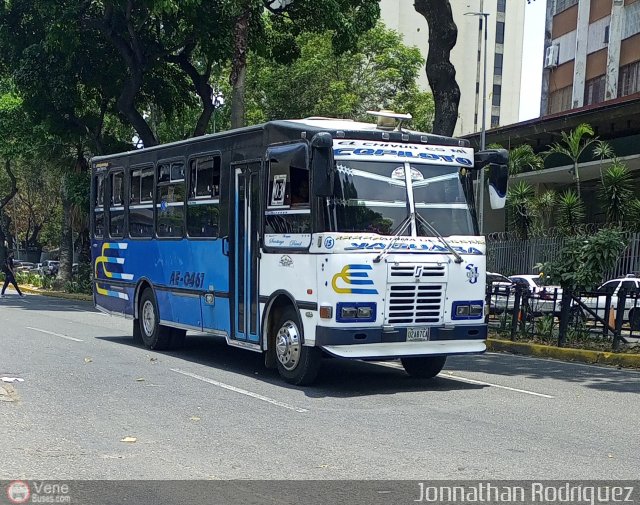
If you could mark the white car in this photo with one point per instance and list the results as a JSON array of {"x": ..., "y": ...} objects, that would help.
[
  {"x": 542, "y": 299},
  {"x": 612, "y": 287}
]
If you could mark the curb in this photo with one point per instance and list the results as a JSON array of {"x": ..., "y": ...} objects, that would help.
[
  {"x": 57, "y": 294},
  {"x": 565, "y": 354}
]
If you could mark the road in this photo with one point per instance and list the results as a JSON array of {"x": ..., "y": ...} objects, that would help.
[{"x": 213, "y": 412}]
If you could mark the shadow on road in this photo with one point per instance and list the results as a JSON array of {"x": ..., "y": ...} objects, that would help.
[
  {"x": 338, "y": 378},
  {"x": 590, "y": 376},
  {"x": 41, "y": 303}
]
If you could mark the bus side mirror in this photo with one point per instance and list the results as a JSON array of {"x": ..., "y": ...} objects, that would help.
[
  {"x": 322, "y": 164},
  {"x": 490, "y": 157},
  {"x": 498, "y": 179}
]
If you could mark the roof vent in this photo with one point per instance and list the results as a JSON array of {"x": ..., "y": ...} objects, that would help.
[{"x": 387, "y": 119}]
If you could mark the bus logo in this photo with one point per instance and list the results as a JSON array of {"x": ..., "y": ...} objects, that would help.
[
  {"x": 354, "y": 275},
  {"x": 472, "y": 274},
  {"x": 105, "y": 260}
]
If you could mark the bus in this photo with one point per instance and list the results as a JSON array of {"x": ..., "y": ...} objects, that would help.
[{"x": 299, "y": 239}]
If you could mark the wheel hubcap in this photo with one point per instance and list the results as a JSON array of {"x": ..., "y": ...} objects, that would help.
[
  {"x": 288, "y": 345},
  {"x": 148, "y": 318}
]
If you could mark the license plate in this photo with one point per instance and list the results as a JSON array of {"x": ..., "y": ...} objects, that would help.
[{"x": 417, "y": 334}]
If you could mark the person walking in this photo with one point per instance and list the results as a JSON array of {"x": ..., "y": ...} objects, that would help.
[{"x": 9, "y": 275}]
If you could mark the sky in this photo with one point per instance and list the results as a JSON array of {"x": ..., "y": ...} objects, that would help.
[{"x": 533, "y": 48}]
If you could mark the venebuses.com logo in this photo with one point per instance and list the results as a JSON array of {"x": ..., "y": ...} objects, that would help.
[{"x": 18, "y": 491}]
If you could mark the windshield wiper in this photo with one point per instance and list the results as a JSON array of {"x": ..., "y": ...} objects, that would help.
[
  {"x": 403, "y": 226},
  {"x": 430, "y": 228}
]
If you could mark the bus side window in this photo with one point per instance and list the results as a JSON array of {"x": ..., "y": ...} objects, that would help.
[
  {"x": 204, "y": 194},
  {"x": 141, "y": 203},
  {"x": 170, "y": 200},
  {"x": 116, "y": 205},
  {"x": 98, "y": 213},
  {"x": 288, "y": 200}
]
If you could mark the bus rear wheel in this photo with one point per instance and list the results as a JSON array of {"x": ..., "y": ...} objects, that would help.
[
  {"x": 153, "y": 334},
  {"x": 425, "y": 367},
  {"x": 297, "y": 364}
]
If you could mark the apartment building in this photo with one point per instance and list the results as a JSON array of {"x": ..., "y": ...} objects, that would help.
[
  {"x": 592, "y": 53},
  {"x": 505, "y": 24}
]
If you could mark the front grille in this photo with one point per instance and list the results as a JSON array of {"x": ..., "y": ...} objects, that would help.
[
  {"x": 419, "y": 303},
  {"x": 425, "y": 270}
]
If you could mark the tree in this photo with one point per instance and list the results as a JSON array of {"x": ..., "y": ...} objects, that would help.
[
  {"x": 443, "y": 34},
  {"x": 572, "y": 146},
  {"x": 522, "y": 158},
  {"x": 570, "y": 212},
  {"x": 520, "y": 208},
  {"x": 378, "y": 72},
  {"x": 615, "y": 192}
]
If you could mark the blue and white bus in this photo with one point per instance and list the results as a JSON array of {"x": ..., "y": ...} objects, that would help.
[{"x": 297, "y": 239}]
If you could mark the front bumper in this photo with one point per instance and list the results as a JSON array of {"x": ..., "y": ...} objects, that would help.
[
  {"x": 329, "y": 336},
  {"x": 407, "y": 349}
]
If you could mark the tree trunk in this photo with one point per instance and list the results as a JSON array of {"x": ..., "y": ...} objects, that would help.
[
  {"x": 576, "y": 176},
  {"x": 66, "y": 241},
  {"x": 443, "y": 34},
  {"x": 239, "y": 68}
]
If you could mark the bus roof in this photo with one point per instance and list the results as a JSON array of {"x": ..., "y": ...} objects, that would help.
[{"x": 306, "y": 128}]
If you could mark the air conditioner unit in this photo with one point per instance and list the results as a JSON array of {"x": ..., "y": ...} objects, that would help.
[{"x": 551, "y": 56}]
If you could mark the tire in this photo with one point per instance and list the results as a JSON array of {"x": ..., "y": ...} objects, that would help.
[
  {"x": 634, "y": 319},
  {"x": 154, "y": 335},
  {"x": 297, "y": 364},
  {"x": 137, "y": 332},
  {"x": 425, "y": 367}
]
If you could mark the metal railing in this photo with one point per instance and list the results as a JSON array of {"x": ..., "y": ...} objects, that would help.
[
  {"x": 510, "y": 256},
  {"x": 586, "y": 319}
]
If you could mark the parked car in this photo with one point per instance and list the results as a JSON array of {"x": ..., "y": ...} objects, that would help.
[
  {"x": 23, "y": 266},
  {"x": 498, "y": 289},
  {"x": 50, "y": 267},
  {"x": 541, "y": 299},
  {"x": 598, "y": 303}
]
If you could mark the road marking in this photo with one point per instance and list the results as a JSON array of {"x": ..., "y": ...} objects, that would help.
[
  {"x": 241, "y": 391},
  {"x": 55, "y": 334},
  {"x": 449, "y": 375}
]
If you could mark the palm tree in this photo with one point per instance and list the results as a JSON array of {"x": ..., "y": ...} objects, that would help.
[
  {"x": 520, "y": 209},
  {"x": 544, "y": 205},
  {"x": 615, "y": 192},
  {"x": 571, "y": 212},
  {"x": 522, "y": 157},
  {"x": 572, "y": 146}
]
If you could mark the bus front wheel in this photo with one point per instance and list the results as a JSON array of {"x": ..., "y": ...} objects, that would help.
[
  {"x": 297, "y": 364},
  {"x": 154, "y": 335},
  {"x": 424, "y": 367}
]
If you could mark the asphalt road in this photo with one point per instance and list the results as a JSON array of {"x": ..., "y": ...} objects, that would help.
[{"x": 213, "y": 412}]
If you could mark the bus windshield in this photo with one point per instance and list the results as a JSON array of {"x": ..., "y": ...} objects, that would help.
[{"x": 372, "y": 197}]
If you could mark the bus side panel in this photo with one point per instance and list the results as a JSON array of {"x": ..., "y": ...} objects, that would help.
[
  {"x": 181, "y": 308},
  {"x": 216, "y": 316},
  {"x": 112, "y": 292}
]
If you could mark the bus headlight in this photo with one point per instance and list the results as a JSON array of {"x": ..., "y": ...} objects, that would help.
[
  {"x": 361, "y": 312},
  {"x": 472, "y": 309}
]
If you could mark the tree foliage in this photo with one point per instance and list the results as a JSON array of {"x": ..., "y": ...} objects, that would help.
[{"x": 378, "y": 72}]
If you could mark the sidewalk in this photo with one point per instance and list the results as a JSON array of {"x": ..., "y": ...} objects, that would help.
[
  {"x": 626, "y": 360},
  {"x": 55, "y": 294}
]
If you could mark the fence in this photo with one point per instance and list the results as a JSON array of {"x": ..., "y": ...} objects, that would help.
[
  {"x": 595, "y": 320},
  {"x": 510, "y": 256}
]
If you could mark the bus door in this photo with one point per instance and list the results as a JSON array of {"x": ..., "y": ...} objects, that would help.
[{"x": 245, "y": 252}]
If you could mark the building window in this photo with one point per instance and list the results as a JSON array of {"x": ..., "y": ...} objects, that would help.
[
  {"x": 502, "y": 5},
  {"x": 495, "y": 121},
  {"x": 594, "y": 90},
  {"x": 629, "y": 79},
  {"x": 500, "y": 32},
  {"x": 497, "y": 95},
  {"x": 560, "y": 100},
  {"x": 562, "y": 5},
  {"x": 497, "y": 64}
]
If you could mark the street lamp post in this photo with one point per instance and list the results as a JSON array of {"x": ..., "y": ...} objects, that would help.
[{"x": 483, "y": 127}]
